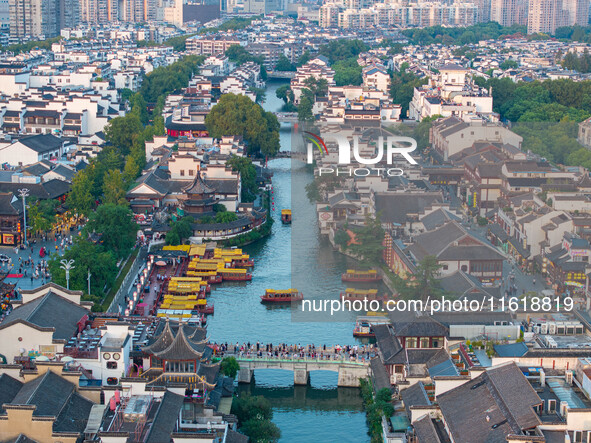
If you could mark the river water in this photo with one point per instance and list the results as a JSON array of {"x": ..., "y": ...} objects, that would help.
[{"x": 320, "y": 412}]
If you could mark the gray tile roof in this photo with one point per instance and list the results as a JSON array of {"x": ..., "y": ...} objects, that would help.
[
  {"x": 394, "y": 208},
  {"x": 49, "y": 311},
  {"x": 420, "y": 327},
  {"x": 42, "y": 142},
  {"x": 425, "y": 430},
  {"x": 414, "y": 395},
  {"x": 166, "y": 417},
  {"x": 491, "y": 406},
  {"x": 9, "y": 387}
]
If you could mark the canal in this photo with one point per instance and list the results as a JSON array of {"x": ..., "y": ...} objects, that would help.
[{"x": 320, "y": 412}]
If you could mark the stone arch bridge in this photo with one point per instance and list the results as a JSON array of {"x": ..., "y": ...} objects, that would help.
[{"x": 349, "y": 372}]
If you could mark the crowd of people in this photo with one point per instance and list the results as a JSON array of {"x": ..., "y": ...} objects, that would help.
[{"x": 290, "y": 352}]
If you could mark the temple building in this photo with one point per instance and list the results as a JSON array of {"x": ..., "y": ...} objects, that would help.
[
  {"x": 181, "y": 357},
  {"x": 199, "y": 198}
]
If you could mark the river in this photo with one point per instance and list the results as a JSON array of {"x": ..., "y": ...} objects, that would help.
[{"x": 320, "y": 412}]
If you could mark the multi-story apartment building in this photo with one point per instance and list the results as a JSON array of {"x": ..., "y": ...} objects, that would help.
[
  {"x": 30, "y": 19},
  {"x": 547, "y": 15},
  {"x": 99, "y": 11},
  {"x": 210, "y": 46},
  {"x": 419, "y": 14},
  {"x": 509, "y": 12}
]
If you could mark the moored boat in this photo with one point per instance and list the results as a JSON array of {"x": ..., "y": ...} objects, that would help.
[
  {"x": 286, "y": 216},
  {"x": 281, "y": 296},
  {"x": 351, "y": 294},
  {"x": 363, "y": 329},
  {"x": 361, "y": 276},
  {"x": 234, "y": 274}
]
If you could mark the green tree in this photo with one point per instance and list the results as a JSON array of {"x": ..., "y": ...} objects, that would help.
[
  {"x": 424, "y": 283},
  {"x": 139, "y": 108},
  {"x": 342, "y": 49},
  {"x": 261, "y": 431},
  {"x": 80, "y": 198},
  {"x": 116, "y": 226},
  {"x": 114, "y": 188},
  {"x": 238, "y": 115},
  {"x": 305, "y": 113},
  {"x": 225, "y": 217},
  {"x": 180, "y": 230},
  {"x": 509, "y": 64},
  {"x": 87, "y": 257},
  {"x": 347, "y": 72},
  {"x": 283, "y": 64},
  {"x": 248, "y": 407},
  {"x": 121, "y": 131},
  {"x": 41, "y": 215},
  {"x": 367, "y": 242},
  {"x": 285, "y": 93},
  {"x": 248, "y": 175},
  {"x": 402, "y": 87},
  {"x": 230, "y": 367},
  {"x": 131, "y": 171}
]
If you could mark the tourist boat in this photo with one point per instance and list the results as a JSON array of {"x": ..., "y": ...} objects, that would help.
[
  {"x": 363, "y": 329},
  {"x": 203, "y": 309},
  {"x": 234, "y": 274},
  {"x": 286, "y": 216},
  {"x": 281, "y": 296},
  {"x": 361, "y": 276},
  {"x": 242, "y": 263},
  {"x": 351, "y": 294},
  {"x": 210, "y": 277}
]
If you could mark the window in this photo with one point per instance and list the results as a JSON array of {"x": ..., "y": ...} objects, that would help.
[
  {"x": 425, "y": 342},
  {"x": 191, "y": 172},
  {"x": 182, "y": 172},
  {"x": 551, "y": 406},
  {"x": 411, "y": 342},
  {"x": 111, "y": 365},
  {"x": 445, "y": 267},
  {"x": 435, "y": 342}
]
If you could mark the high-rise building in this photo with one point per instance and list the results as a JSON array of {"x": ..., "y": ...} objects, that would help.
[
  {"x": 509, "y": 12},
  {"x": 99, "y": 11},
  {"x": 483, "y": 10},
  {"x": 329, "y": 15},
  {"x": 576, "y": 12},
  {"x": 31, "y": 19},
  {"x": 4, "y": 16},
  {"x": 69, "y": 13},
  {"x": 545, "y": 16}
]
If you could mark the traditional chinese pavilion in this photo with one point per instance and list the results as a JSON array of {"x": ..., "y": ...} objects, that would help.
[
  {"x": 181, "y": 357},
  {"x": 199, "y": 197}
]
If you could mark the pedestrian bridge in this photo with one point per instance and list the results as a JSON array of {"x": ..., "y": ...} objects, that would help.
[
  {"x": 288, "y": 117},
  {"x": 349, "y": 371}
]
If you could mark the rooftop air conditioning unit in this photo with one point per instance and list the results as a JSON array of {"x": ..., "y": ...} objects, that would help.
[
  {"x": 551, "y": 328},
  {"x": 544, "y": 328}
]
